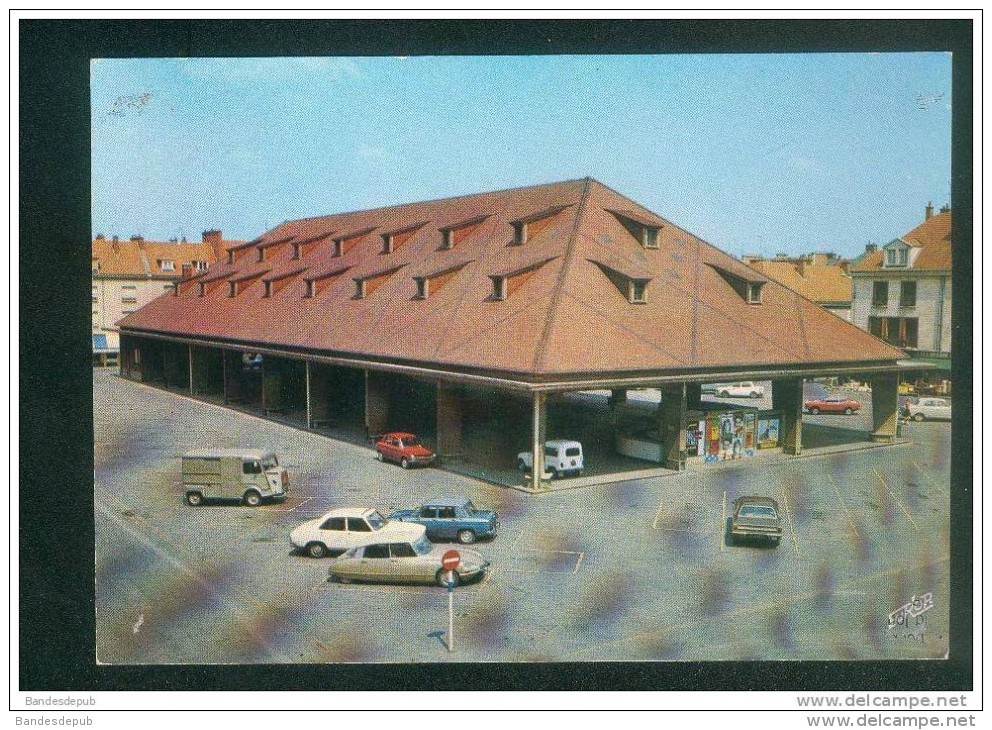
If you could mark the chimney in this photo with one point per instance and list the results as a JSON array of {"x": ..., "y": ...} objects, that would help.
[
  {"x": 100, "y": 237},
  {"x": 946, "y": 208},
  {"x": 137, "y": 238},
  {"x": 781, "y": 255},
  {"x": 929, "y": 211},
  {"x": 750, "y": 258},
  {"x": 115, "y": 239},
  {"x": 871, "y": 248},
  {"x": 214, "y": 239}
]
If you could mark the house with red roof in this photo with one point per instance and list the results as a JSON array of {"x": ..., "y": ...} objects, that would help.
[
  {"x": 902, "y": 291},
  {"x": 432, "y": 316}
]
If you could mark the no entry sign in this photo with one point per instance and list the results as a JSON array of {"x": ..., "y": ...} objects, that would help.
[{"x": 450, "y": 560}]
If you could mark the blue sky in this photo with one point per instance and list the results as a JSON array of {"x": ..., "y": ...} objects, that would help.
[{"x": 755, "y": 153}]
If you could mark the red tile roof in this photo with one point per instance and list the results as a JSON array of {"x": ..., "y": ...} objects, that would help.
[
  {"x": 566, "y": 318},
  {"x": 933, "y": 235}
]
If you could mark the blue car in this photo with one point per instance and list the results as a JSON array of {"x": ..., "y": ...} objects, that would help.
[{"x": 451, "y": 519}]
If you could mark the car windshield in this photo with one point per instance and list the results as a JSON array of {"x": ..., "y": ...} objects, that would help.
[
  {"x": 760, "y": 511},
  {"x": 422, "y": 546},
  {"x": 376, "y": 520},
  {"x": 270, "y": 462},
  {"x": 411, "y": 441}
]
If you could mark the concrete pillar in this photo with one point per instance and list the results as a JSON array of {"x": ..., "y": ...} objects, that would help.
[
  {"x": 232, "y": 376},
  {"x": 376, "y": 403},
  {"x": 787, "y": 396},
  {"x": 884, "y": 406},
  {"x": 449, "y": 419},
  {"x": 189, "y": 362},
  {"x": 319, "y": 395},
  {"x": 693, "y": 396},
  {"x": 272, "y": 375},
  {"x": 671, "y": 426},
  {"x": 539, "y": 427}
]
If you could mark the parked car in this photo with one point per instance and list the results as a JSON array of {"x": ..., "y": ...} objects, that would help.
[
  {"x": 251, "y": 475},
  {"x": 451, "y": 518},
  {"x": 342, "y": 529},
  {"x": 404, "y": 561},
  {"x": 745, "y": 389},
  {"x": 832, "y": 404},
  {"x": 927, "y": 409},
  {"x": 403, "y": 448},
  {"x": 755, "y": 516},
  {"x": 709, "y": 388},
  {"x": 561, "y": 457}
]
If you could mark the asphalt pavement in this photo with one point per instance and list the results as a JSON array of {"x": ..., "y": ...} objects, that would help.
[{"x": 636, "y": 570}]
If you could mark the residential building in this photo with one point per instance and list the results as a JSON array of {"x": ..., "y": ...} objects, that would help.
[
  {"x": 453, "y": 316},
  {"x": 820, "y": 277},
  {"x": 902, "y": 290},
  {"x": 127, "y": 274}
]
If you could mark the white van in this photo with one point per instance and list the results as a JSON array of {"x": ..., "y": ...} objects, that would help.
[
  {"x": 560, "y": 457},
  {"x": 251, "y": 475}
]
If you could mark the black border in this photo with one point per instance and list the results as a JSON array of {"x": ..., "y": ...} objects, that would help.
[{"x": 55, "y": 490}]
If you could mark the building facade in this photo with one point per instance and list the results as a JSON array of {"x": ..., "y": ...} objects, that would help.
[
  {"x": 820, "y": 277},
  {"x": 902, "y": 290},
  {"x": 448, "y": 316},
  {"x": 127, "y": 275}
]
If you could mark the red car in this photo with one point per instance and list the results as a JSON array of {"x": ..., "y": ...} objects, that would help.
[
  {"x": 403, "y": 448},
  {"x": 832, "y": 404}
]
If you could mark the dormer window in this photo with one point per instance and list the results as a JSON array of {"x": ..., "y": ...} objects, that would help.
[
  {"x": 392, "y": 240},
  {"x": 645, "y": 229},
  {"x": 316, "y": 284},
  {"x": 433, "y": 283},
  {"x": 896, "y": 254},
  {"x": 360, "y": 289},
  {"x": 519, "y": 233},
  {"x": 296, "y": 251},
  {"x": 166, "y": 264},
  {"x": 754, "y": 292},
  {"x": 649, "y": 237},
  {"x": 499, "y": 288},
  {"x": 366, "y": 285},
  {"x": 638, "y": 292},
  {"x": 455, "y": 233},
  {"x": 527, "y": 227},
  {"x": 630, "y": 280},
  {"x": 343, "y": 244}
]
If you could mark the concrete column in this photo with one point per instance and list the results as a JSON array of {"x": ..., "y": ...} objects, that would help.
[
  {"x": 693, "y": 396},
  {"x": 272, "y": 376},
  {"x": 671, "y": 426},
  {"x": 376, "y": 403},
  {"x": 787, "y": 396},
  {"x": 539, "y": 427},
  {"x": 885, "y": 406},
  {"x": 232, "y": 376},
  {"x": 189, "y": 361},
  {"x": 449, "y": 419}
]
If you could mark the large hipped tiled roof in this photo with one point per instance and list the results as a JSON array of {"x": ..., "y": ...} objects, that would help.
[{"x": 566, "y": 310}]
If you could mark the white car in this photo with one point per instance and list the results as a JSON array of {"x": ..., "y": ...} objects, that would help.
[
  {"x": 342, "y": 529},
  {"x": 560, "y": 457},
  {"x": 745, "y": 389},
  {"x": 930, "y": 409}
]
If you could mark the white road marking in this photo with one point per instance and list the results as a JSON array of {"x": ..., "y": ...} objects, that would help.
[
  {"x": 896, "y": 500},
  {"x": 578, "y": 563},
  {"x": 657, "y": 516},
  {"x": 137, "y": 624},
  {"x": 792, "y": 527},
  {"x": 843, "y": 506},
  {"x": 926, "y": 475}
]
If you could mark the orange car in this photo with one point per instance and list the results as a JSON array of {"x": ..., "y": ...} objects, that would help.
[
  {"x": 403, "y": 448},
  {"x": 832, "y": 404}
]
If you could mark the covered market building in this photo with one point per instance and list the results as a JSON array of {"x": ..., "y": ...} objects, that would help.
[{"x": 484, "y": 322}]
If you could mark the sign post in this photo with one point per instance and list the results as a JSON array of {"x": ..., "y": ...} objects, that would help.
[{"x": 449, "y": 561}]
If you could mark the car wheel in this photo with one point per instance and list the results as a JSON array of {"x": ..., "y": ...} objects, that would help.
[
  {"x": 848, "y": 411},
  {"x": 253, "y": 498},
  {"x": 342, "y": 579},
  {"x": 521, "y": 465},
  {"x": 316, "y": 550},
  {"x": 919, "y": 417},
  {"x": 378, "y": 455},
  {"x": 194, "y": 499},
  {"x": 405, "y": 463},
  {"x": 775, "y": 540},
  {"x": 724, "y": 394},
  {"x": 814, "y": 411},
  {"x": 442, "y": 579},
  {"x": 466, "y": 537},
  {"x": 755, "y": 395}
]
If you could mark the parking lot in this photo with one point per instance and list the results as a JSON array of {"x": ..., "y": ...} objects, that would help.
[{"x": 636, "y": 570}]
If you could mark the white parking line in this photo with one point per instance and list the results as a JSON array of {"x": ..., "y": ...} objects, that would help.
[
  {"x": 657, "y": 516},
  {"x": 574, "y": 570},
  {"x": 792, "y": 527},
  {"x": 578, "y": 563},
  {"x": 843, "y": 506},
  {"x": 896, "y": 500},
  {"x": 373, "y": 589}
]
